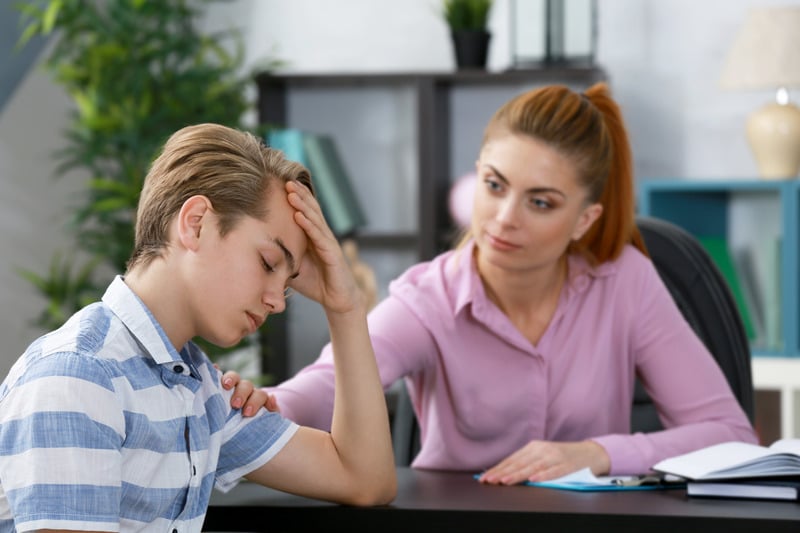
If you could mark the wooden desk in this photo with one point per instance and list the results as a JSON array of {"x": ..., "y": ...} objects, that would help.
[{"x": 447, "y": 501}]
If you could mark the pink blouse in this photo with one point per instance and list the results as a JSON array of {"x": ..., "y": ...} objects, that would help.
[{"x": 481, "y": 390}]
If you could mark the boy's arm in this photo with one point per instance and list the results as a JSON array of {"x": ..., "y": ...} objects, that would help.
[{"x": 354, "y": 463}]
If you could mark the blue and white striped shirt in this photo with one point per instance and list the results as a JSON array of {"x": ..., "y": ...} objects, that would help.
[{"x": 105, "y": 426}]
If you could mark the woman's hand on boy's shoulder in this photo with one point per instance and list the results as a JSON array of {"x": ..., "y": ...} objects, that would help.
[{"x": 246, "y": 396}]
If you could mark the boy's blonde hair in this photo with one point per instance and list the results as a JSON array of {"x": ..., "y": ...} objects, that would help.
[{"x": 232, "y": 168}]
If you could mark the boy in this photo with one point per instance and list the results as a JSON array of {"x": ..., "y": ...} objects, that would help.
[{"x": 117, "y": 421}]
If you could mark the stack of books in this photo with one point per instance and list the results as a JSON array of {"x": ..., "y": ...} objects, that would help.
[{"x": 740, "y": 470}]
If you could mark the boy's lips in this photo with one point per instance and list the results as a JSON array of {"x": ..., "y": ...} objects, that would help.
[{"x": 255, "y": 320}]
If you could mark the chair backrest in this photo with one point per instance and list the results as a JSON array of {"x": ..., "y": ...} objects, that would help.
[
  {"x": 702, "y": 295},
  {"x": 704, "y": 298}
]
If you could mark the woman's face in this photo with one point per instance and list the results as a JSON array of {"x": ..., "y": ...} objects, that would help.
[{"x": 528, "y": 205}]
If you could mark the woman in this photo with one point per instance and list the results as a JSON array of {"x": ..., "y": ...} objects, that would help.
[{"x": 520, "y": 348}]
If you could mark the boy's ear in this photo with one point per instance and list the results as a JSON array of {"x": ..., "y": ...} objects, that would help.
[{"x": 194, "y": 214}]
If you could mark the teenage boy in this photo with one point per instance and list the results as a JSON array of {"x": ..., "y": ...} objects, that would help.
[{"x": 118, "y": 422}]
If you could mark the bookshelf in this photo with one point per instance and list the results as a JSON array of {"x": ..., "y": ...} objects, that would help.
[
  {"x": 762, "y": 219},
  {"x": 403, "y": 138}
]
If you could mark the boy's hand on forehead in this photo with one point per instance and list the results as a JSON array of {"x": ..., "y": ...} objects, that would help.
[{"x": 324, "y": 274}]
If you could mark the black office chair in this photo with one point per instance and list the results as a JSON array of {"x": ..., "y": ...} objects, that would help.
[
  {"x": 704, "y": 298},
  {"x": 702, "y": 295}
]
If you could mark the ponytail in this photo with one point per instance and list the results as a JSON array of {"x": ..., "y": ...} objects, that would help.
[{"x": 616, "y": 227}]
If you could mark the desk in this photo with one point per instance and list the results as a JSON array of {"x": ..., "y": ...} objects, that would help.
[{"x": 448, "y": 501}]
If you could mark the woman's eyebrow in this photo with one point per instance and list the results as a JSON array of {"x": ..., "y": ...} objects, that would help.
[{"x": 534, "y": 190}]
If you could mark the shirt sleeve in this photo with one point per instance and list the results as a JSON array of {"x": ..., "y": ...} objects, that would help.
[
  {"x": 695, "y": 403},
  {"x": 61, "y": 416},
  {"x": 402, "y": 346},
  {"x": 250, "y": 443}
]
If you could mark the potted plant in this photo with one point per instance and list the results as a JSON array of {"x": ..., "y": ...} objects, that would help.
[
  {"x": 468, "y": 22},
  {"x": 136, "y": 71}
]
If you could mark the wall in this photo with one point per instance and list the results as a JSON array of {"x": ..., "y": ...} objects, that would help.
[{"x": 663, "y": 59}]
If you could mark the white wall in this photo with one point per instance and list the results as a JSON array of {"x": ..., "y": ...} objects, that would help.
[
  {"x": 33, "y": 205},
  {"x": 663, "y": 59}
]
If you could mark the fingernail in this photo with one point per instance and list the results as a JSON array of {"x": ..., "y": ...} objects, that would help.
[
  {"x": 237, "y": 402},
  {"x": 227, "y": 382},
  {"x": 248, "y": 411}
]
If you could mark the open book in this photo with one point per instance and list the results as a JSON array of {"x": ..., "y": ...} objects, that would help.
[{"x": 733, "y": 460}]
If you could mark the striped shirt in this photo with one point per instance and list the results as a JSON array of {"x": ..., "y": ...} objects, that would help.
[{"x": 105, "y": 426}]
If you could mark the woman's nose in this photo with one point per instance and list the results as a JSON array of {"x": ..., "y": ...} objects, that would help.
[{"x": 507, "y": 211}]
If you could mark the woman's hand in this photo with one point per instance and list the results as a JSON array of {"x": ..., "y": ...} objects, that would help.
[
  {"x": 246, "y": 395},
  {"x": 544, "y": 460},
  {"x": 325, "y": 276}
]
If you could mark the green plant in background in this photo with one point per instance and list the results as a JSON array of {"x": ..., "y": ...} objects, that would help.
[
  {"x": 467, "y": 15},
  {"x": 137, "y": 71}
]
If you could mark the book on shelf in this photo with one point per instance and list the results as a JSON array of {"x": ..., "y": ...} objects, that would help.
[
  {"x": 290, "y": 142},
  {"x": 337, "y": 197},
  {"x": 735, "y": 460},
  {"x": 755, "y": 489},
  {"x": 717, "y": 248},
  {"x": 769, "y": 263}
]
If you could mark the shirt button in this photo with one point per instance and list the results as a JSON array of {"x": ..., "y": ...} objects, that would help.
[{"x": 178, "y": 369}]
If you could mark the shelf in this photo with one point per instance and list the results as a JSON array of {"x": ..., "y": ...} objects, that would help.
[
  {"x": 745, "y": 213},
  {"x": 750, "y": 213},
  {"x": 396, "y": 133},
  {"x": 431, "y": 93}
]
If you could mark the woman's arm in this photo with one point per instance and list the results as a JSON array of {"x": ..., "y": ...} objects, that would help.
[
  {"x": 693, "y": 398},
  {"x": 402, "y": 347}
]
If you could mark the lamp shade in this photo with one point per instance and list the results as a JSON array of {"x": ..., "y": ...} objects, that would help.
[
  {"x": 765, "y": 56},
  {"x": 766, "y": 51}
]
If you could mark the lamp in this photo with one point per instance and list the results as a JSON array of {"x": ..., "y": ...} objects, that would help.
[{"x": 766, "y": 55}]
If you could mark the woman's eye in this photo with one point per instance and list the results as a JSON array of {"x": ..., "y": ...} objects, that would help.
[
  {"x": 540, "y": 203},
  {"x": 267, "y": 266},
  {"x": 492, "y": 185}
]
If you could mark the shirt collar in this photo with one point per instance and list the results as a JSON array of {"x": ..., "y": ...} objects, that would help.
[{"x": 141, "y": 323}]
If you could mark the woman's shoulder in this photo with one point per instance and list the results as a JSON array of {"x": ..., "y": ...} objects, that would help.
[
  {"x": 426, "y": 275},
  {"x": 630, "y": 262}
]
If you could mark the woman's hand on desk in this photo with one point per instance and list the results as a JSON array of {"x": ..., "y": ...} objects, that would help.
[{"x": 544, "y": 460}]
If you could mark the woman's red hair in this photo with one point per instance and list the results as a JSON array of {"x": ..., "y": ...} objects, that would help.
[{"x": 589, "y": 130}]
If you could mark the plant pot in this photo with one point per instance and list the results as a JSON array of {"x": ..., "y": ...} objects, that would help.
[{"x": 471, "y": 48}]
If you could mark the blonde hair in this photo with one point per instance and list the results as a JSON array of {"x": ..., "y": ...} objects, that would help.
[{"x": 232, "y": 168}]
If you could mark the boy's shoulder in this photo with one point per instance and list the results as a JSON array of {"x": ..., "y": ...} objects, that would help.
[{"x": 85, "y": 343}]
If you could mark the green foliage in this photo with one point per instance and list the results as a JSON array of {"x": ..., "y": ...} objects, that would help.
[
  {"x": 467, "y": 14},
  {"x": 137, "y": 71}
]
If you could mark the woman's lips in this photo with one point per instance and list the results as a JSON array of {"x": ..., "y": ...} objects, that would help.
[{"x": 501, "y": 244}]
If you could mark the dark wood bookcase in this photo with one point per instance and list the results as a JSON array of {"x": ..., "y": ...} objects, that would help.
[{"x": 432, "y": 102}]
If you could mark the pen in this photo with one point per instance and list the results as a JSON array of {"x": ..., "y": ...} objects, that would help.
[{"x": 636, "y": 481}]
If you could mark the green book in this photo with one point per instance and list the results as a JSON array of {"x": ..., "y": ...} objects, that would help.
[
  {"x": 290, "y": 142},
  {"x": 717, "y": 248},
  {"x": 338, "y": 199}
]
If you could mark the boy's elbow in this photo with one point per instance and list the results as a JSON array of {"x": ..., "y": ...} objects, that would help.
[{"x": 380, "y": 492}]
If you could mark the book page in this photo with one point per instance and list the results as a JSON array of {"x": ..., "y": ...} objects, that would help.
[
  {"x": 719, "y": 457},
  {"x": 786, "y": 446}
]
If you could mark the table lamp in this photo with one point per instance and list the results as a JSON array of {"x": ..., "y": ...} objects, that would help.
[{"x": 766, "y": 55}]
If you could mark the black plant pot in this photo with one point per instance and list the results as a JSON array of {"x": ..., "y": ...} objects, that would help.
[{"x": 471, "y": 48}]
